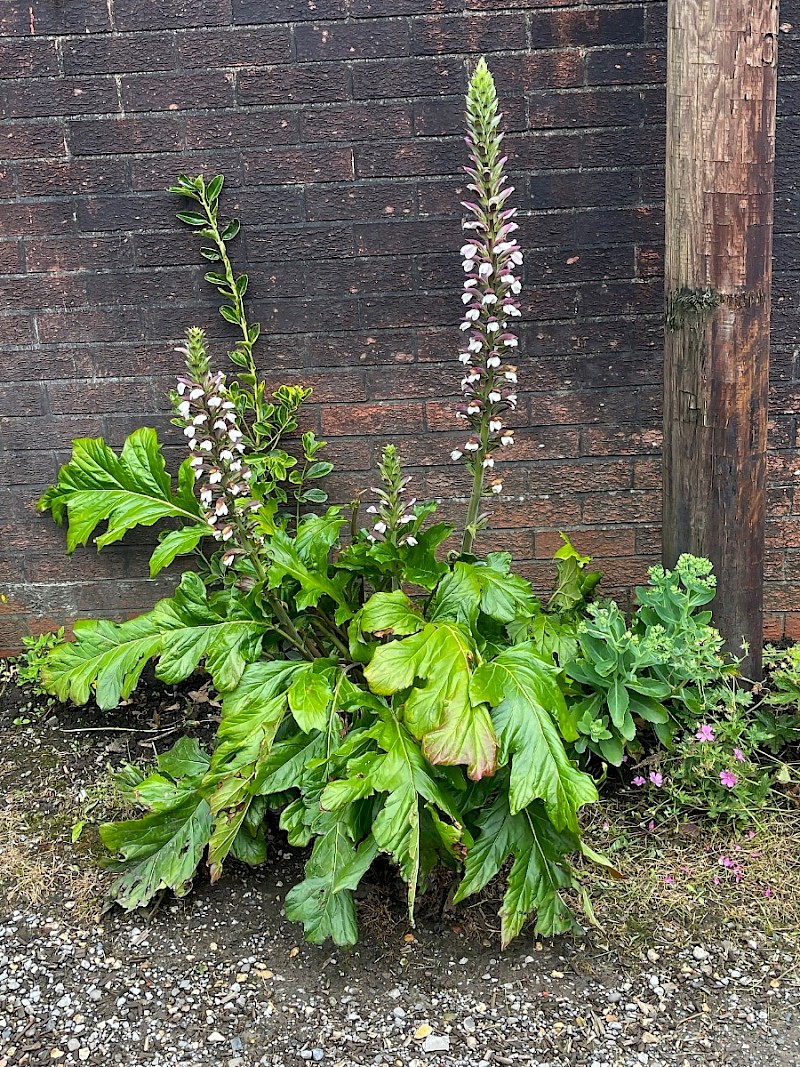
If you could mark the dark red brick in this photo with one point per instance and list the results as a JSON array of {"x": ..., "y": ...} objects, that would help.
[
  {"x": 352, "y": 40},
  {"x": 141, "y": 15},
  {"x": 208, "y": 132},
  {"x": 96, "y": 326},
  {"x": 393, "y": 78},
  {"x": 28, "y": 57},
  {"x": 318, "y": 243},
  {"x": 367, "y": 200},
  {"x": 15, "y": 330},
  {"x": 407, "y": 159},
  {"x": 172, "y": 92},
  {"x": 587, "y": 28},
  {"x": 476, "y": 33},
  {"x": 359, "y": 419},
  {"x": 356, "y": 122},
  {"x": 307, "y": 164},
  {"x": 120, "y": 54},
  {"x": 101, "y": 137},
  {"x": 22, "y": 17},
  {"x": 312, "y": 84},
  {"x": 157, "y": 173},
  {"x": 10, "y": 257},
  {"x": 47, "y": 97},
  {"x": 249, "y": 11},
  {"x": 72, "y": 177},
  {"x": 620, "y": 66},
  {"x": 35, "y": 140},
  {"x": 234, "y": 47}
]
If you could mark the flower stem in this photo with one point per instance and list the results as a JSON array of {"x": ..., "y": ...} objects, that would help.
[{"x": 471, "y": 521}]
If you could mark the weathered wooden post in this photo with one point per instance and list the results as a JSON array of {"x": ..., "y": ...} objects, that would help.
[{"x": 721, "y": 91}]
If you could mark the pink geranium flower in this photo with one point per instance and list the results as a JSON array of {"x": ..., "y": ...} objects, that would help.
[
  {"x": 657, "y": 779},
  {"x": 738, "y": 754},
  {"x": 728, "y": 779},
  {"x": 705, "y": 733},
  {"x": 638, "y": 780}
]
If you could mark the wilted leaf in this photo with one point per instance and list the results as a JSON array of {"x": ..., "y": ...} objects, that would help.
[{"x": 452, "y": 727}]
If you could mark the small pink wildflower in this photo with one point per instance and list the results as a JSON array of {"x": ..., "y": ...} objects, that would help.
[
  {"x": 651, "y": 825},
  {"x": 738, "y": 754},
  {"x": 725, "y": 861},
  {"x": 657, "y": 779},
  {"x": 768, "y": 892},
  {"x": 728, "y": 779},
  {"x": 638, "y": 780},
  {"x": 668, "y": 879},
  {"x": 715, "y": 880},
  {"x": 705, "y": 733}
]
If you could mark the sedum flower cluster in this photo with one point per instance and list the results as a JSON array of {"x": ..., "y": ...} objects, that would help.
[
  {"x": 209, "y": 420},
  {"x": 491, "y": 260}
]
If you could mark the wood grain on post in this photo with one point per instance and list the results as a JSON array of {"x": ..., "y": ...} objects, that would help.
[{"x": 721, "y": 95}]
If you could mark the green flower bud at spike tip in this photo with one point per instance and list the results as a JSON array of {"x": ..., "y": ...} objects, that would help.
[{"x": 491, "y": 259}]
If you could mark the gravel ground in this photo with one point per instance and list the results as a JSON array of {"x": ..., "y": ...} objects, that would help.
[
  {"x": 194, "y": 985},
  {"x": 221, "y": 979}
]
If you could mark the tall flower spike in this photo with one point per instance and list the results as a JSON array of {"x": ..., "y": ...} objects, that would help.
[
  {"x": 491, "y": 261},
  {"x": 208, "y": 416}
]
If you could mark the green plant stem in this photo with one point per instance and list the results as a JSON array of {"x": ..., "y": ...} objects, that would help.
[
  {"x": 289, "y": 632},
  {"x": 246, "y": 344},
  {"x": 328, "y": 631},
  {"x": 471, "y": 521}
]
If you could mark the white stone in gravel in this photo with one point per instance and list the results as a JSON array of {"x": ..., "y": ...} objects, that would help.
[
  {"x": 699, "y": 953},
  {"x": 436, "y": 1043},
  {"x": 215, "y": 1036},
  {"x": 73, "y": 1044}
]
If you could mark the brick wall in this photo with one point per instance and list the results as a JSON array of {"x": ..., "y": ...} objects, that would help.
[{"x": 337, "y": 124}]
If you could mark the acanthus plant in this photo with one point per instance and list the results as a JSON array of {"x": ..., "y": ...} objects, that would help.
[{"x": 380, "y": 698}]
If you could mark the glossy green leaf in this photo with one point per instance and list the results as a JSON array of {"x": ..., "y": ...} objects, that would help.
[
  {"x": 132, "y": 489},
  {"x": 162, "y": 849},
  {"x": 177, "y": 543},
  {"x": 310, "y": 696},
  {"x": 251, "y": 716},
  {"x": 504, "y": 596},
  {"x": 320, "y": 902},
  {"x": 539, "y": 872},
  {"x": 401, "y": 772},
  {"x": 525, "y": 718},
  {"x": 313, "y": 581},
  {"x": 181, "y": 631},
  {"x": 390, "y": 613}
]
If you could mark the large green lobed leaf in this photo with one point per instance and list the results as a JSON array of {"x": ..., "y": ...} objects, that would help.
[{"x": 132, "y": 489}]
